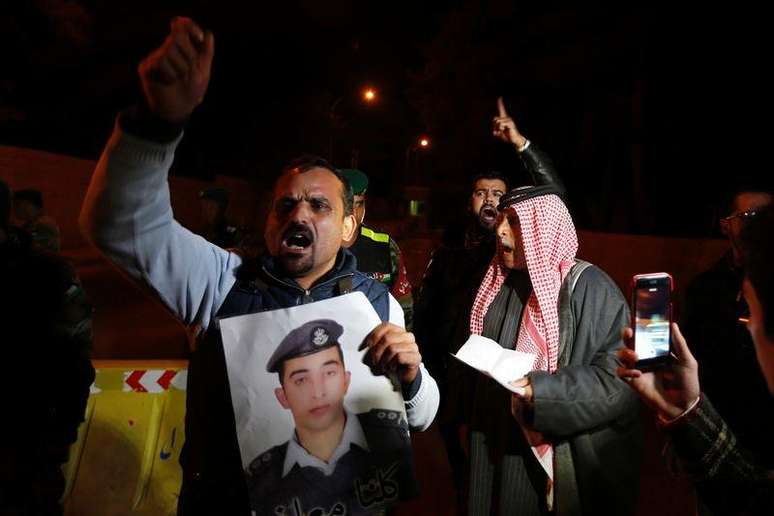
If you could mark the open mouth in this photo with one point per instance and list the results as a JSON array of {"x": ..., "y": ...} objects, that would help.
[
  {"x": 487, "y": 213},
  {"x": 297, "y": 239}
]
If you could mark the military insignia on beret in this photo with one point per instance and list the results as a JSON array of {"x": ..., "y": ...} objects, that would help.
[{"x": 319, "y": 336}]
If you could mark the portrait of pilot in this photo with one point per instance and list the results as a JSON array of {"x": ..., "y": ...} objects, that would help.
[{"x": 334, "y": 460}]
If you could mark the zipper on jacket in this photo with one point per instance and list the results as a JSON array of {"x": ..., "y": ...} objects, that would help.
[{"x": 307, "y": 293}]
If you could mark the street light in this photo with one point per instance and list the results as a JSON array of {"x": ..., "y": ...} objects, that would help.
[
  {"x": 424, "y": 142},
  {"x": 369, "y": 95}
]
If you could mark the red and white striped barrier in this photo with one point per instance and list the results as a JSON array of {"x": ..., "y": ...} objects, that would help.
[{"x": 153, "y": 380}]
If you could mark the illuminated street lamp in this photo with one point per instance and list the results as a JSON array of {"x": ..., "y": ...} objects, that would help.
[{"x": 369, "y": 95}]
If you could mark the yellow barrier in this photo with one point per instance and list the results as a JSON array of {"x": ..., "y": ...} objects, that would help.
[{"x": 125, "y": 460}]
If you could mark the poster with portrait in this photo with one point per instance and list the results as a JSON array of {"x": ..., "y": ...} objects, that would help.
[{"x": 318, "y": 431}]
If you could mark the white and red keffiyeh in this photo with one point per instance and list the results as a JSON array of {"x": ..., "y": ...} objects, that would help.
[{"x": 549, "y": 243}]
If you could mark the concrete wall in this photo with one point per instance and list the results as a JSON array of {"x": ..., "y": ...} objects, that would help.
[{"x": 132, "y": 325}]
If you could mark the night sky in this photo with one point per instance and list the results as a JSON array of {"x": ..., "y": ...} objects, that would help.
[{"x": 652, "y": 115}]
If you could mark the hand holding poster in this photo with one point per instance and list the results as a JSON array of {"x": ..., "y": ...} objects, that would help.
[{"x": 317, "y": 430}]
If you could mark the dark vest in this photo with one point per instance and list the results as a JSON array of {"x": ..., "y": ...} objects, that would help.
[{"x": 213, "y": 479}]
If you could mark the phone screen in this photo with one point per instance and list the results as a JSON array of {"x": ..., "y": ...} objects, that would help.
[{"x": 652, "y": 316}]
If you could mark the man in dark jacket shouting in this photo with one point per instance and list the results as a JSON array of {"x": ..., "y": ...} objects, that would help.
[{"x": 127, "y": 214}]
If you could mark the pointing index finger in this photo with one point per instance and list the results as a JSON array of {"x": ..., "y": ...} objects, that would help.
[{"x": 501, "y": 107}]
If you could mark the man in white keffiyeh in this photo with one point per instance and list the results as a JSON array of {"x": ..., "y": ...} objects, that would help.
[{"x": 538, "y": 299}]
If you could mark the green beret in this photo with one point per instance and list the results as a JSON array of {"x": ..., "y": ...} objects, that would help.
[{"x": 356, "y": 179}]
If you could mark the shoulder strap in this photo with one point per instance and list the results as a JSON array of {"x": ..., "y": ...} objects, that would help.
[
  {"x": 576, "y": 271},
  {"x": 345, "y": 285},
  {"x": 566, "y": 316},
  {"x": 568, "y": 497}
]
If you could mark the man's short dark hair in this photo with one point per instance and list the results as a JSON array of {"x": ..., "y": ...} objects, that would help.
[
  {"x": 729, "y": 204},
  {"x": 308, "y": 162},
  {"x": 758, "y": 254},
  {"x": 281, "y": 371},
  {"x": 491, "y": 175}
]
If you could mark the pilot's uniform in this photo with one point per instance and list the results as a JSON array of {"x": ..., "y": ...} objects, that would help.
[{"x": 369, "y": 471}]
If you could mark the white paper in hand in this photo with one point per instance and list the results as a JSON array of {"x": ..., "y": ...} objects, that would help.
[{"x": 490, "y": 358}]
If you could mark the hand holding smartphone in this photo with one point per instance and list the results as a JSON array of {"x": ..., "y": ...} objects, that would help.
[{"x": 652, "y": 318}]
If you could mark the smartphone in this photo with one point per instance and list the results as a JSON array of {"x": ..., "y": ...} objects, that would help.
[{"x": 652, "y": 318}]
